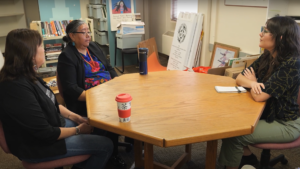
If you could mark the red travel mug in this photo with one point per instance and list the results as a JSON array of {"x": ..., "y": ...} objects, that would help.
[{"x": 124, "y": 106}]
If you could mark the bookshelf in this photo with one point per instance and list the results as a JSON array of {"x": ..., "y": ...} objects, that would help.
[
  {"x": 12, "y": 16},
  {"x": 36, "y": 25}
]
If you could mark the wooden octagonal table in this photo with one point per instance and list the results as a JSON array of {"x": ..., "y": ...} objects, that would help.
[{"x": 172, "y": 108}]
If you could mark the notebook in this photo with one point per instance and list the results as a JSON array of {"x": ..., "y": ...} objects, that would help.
[{"x": 231, "y": 89}]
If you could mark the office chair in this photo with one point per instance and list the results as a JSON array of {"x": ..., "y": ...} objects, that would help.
[
  {"x": 58, "y": 164},
  {"x": 265, "y": 161},
  {"x": 126, "y": 51},
  {"x": 154, "y": 64}
]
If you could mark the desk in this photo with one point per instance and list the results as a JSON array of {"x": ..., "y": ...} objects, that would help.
[
  {"x": 55, "y": 90},
  {"x": 172, "y": 108}
]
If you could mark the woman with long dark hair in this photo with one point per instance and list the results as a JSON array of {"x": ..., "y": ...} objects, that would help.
[
  {"x": 275, "y": 78},
  {"x": 36, "y": 128}
]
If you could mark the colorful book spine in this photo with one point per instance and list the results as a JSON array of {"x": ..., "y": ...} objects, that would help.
[
  {"x": 54, "y": 31},
  {"x": 50, "y": 29},
  {"x": 43, "y": 28},
  {"x": 62, "y": 28},
  {"x": 47, "y": 28},
  {"x": 58, "y": 28}
]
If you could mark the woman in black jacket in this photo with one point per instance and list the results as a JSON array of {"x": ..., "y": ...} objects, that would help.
[
  {"x": 36, "y": 128},
  {"x": 81, "y": 66}
]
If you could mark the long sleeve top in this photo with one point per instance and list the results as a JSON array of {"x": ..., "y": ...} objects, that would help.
[
  {"x": 30, "y": 120},
  {"x": 283, "y": 87},
  {"x": 71, "y": 74}
]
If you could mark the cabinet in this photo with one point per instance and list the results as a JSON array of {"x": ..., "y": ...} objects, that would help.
[
  {"x": 98, "y": 13},
  {"x": 12, "y": 16},
  {"x": 284, "y": 8}
]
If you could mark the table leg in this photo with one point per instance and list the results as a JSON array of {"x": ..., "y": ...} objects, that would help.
[
  {"x": 211, "y": 154},
  {"x": 148, "y": 153},
  {"x": 188, "y": 150},
  {"x": 138, "y": 152}
]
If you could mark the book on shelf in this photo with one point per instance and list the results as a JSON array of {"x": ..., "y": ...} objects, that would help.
[
  {"x": 53, "y": 28},
  {"x": 51, "y": 48},
  {"x": 43, "y": 28},
  {"x": 57, "y": 29},
  {"x": 230, "y": 89},
  {"x": 62, "y": 28}
]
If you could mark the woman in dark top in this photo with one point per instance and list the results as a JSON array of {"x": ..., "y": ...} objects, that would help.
[
  {"x": 36, "y": 128},
  {"x": 275, "y": 78},
  {"x": 81, "y": 66}
]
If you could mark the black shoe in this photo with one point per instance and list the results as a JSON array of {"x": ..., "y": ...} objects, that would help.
[
  {"x": 249, "y": 160},
  {"x": 117, "y": 161}
]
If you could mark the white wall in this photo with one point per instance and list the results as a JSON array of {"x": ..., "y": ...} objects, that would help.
[
  {"x": 158, "y": 20},
  {"x": 235, "y": 26},
  {"x": 32, "y": 12},
  {"x": 83, "y": 8},
  {"x": 239, "y": 26}
]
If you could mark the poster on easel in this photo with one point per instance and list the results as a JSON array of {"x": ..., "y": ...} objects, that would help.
[
  {"x": 120, "y": 11},
  {"x": 185, "y": 44}
]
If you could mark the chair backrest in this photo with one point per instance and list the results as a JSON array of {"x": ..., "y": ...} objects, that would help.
[
  {"x": 153, "y": 63},
  {"x": 59, "y": 85},
  {"x": 298, "y": 99},
  {"x": 2, "y": 140}
]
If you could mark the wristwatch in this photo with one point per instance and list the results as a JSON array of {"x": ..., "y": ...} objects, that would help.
[{"x": 77, "y": 130}]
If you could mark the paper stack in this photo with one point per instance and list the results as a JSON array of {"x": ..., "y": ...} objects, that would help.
[{"x": 223, "y": 89}]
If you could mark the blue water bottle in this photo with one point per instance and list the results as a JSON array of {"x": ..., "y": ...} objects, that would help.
[{"x": 143, "y": 52}]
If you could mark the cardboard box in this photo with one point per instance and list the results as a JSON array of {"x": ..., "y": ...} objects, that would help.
[
  {"x": 217, "y": 70},
  {"x": 127, "y": 28},
  {"x": 249, "y": 62},
  {"x": 243, "y": 61},
  {"x": 233, "y": 72},
  {"x": 46, "y": 72}
]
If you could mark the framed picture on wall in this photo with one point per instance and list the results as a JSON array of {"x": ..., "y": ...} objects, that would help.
[
  {"x": 247, "y": 3},
  {"x": 222, "y": 53}
]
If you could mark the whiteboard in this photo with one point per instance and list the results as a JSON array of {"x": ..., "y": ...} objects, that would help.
[{"x": 249, "y": 3}]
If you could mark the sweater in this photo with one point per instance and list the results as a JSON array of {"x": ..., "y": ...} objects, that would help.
[
  {"x": 71, "y": 74},
  {"x": 30, "y": 120}
]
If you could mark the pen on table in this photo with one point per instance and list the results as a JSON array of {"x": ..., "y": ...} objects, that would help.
[{"x": 238, "y": 89}]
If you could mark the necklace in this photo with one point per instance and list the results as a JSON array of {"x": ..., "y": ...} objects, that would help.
[{"x": 94, "y": 65}]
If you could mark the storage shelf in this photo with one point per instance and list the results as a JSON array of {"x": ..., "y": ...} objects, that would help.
[
  {"x": 51, "y": 61},
  {"x": 52, "y": 38},
  {"x": 11, "y": 14},
  {"x": 53, "y": 53}
]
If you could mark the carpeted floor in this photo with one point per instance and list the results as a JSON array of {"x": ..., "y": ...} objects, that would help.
[{"x": 168, "y": 156}]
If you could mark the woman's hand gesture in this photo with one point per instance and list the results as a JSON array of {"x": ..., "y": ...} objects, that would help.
[
  {"x": 250, "y": 74},
  {"x": 85, "y": 128},
  {"x": 256, "y": 87},
  {"x": 78, "y": 119}
]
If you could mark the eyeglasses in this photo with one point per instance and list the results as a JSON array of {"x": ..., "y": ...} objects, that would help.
[
  {"x": 84, "y": 33},
  {"x": 264, "y": 31}
]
